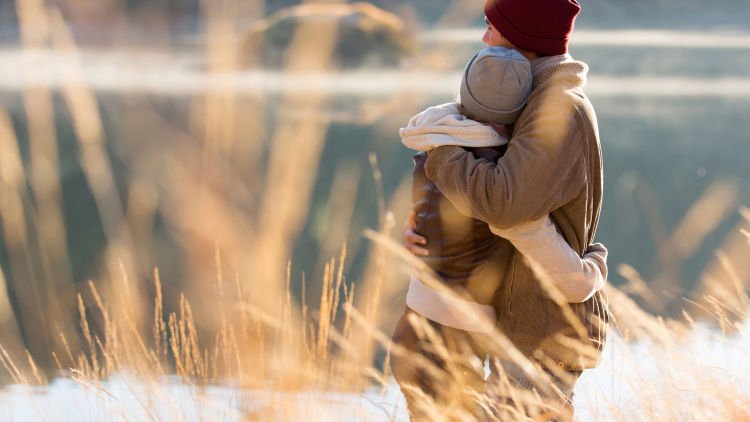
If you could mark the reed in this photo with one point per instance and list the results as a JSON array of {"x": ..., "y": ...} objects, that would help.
[{"x": 233, "y": 189}]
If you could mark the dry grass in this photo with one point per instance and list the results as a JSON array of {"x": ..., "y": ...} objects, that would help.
[{"x": 238, "y": 320}]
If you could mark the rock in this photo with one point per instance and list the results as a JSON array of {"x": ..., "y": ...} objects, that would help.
[{"x": 366, "y": 36}]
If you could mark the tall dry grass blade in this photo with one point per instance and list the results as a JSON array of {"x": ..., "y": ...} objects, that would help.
[
  {"x": 323, "y": 315},
  {"x": 637, "y": 286},
  {"x": 649, "y": 201},
  {"x": 110, "y": 331},
  {"x": 8, "y": 325},
  {"x": 703, "y": 217},
  {"x": 738, "y": 286},
  {"x": 745, "y": 213},
  {"x": 95, "y": 373},
  {"x": 159, "y": 327},
  {"x": 44, "y": 172},
  {"x": 347, "y": 330},
  {"x": 38, "y": 376},
  {"x": 10, "y": 366},
  {"x": 340, "y": 207},
  {"x": 339, "y": 281},
  {"x": 632, "y": 321},
  {"x": 110, "y": 359},
  {"x": 377, "y": 176},
  {"x": 175, "y": 345},
  {"x": 97, "y": 168},
  {"x": 87, "y": 123},
  {"x": 58, "y": 364},
  {"x": 100, "y": 304},
  {"x": 34, "y": 324},
  {"x": 383, "y": 273},
  {"x": 378, "y": 281},
  {"x": 727, "y": 276},
  {"x": 303, "y": 322},
  {"x": 385, "y": 226},
  {"x": 716, "y": 203},
  {"x": 298, "y": 139},
  {"x": 137, "y": 352},
  {"x": 66, "y": 347}
]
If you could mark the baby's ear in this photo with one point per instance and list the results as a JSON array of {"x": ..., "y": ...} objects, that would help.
[
  {"x": 461, "y": 108},
  {"x": 502, "y": 130}
]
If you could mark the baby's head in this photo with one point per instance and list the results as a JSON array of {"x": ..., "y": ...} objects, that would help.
[{"x": 495, "y": 85}]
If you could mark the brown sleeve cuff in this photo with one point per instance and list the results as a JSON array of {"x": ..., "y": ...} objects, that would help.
[{"x": 437, "y": 157}]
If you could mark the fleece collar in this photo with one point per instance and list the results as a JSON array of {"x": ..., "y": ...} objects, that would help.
[{"x": 547, "y": 68}]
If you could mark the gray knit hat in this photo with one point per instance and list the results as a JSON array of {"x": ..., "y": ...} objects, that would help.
[{"x": 495, "y": 86}]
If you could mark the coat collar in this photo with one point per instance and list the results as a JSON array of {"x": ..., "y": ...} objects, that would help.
[{"x": 547, "y": 68}]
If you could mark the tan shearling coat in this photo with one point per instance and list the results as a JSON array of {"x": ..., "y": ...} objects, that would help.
[{"x": 553, "y": 165}]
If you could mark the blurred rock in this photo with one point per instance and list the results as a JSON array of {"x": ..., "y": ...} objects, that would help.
[{"x": 367, "y": 35}]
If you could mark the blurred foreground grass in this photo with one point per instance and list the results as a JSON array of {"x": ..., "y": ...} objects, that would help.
[{"x": 232, "y": 189}]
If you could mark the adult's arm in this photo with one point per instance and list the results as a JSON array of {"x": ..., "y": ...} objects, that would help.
[
  {"x": 542, "y": 170},
  {"x": 576, "y": 277}
]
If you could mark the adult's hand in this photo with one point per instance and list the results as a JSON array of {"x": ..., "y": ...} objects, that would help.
[{"x": 413, "y": 242}]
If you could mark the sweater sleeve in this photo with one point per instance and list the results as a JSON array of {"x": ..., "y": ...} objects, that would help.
[
  {"x": 542, "y": 170},
  {"x": 540, "y": 243}
]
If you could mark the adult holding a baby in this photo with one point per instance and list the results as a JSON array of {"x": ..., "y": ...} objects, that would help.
[{"x": 551, "y": 167}]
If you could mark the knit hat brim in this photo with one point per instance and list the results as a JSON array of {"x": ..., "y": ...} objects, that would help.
[{"x": 544, "y": 46}]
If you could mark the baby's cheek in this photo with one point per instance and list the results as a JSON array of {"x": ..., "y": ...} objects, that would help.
[{"x": 486, "y": 37}]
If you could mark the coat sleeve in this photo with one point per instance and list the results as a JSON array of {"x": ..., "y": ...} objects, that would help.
[
  {"x": 542, "y": 170},
  {"x": 576, "y": 277}
]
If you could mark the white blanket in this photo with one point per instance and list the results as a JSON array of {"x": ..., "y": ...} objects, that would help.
[{"x": 445, "y": 125}]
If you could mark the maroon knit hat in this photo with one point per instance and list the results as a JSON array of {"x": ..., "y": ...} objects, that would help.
[{"x": 541, "y": 26}]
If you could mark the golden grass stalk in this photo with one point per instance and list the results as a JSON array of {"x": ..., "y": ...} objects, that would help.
[{"x": 236, "y": 318}]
